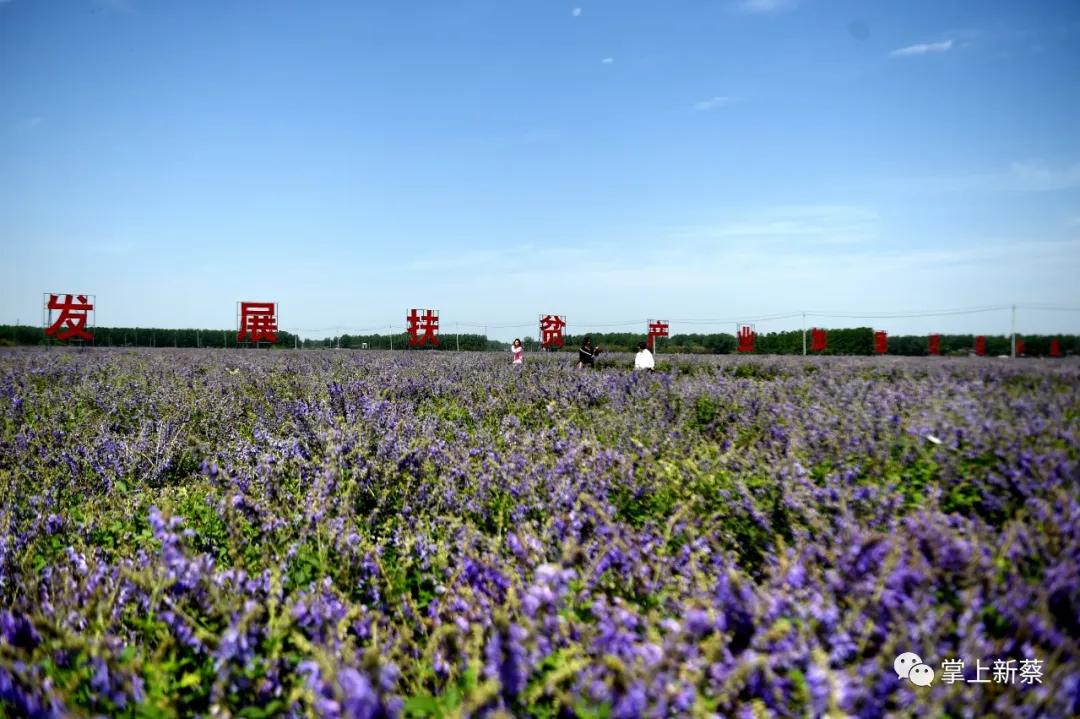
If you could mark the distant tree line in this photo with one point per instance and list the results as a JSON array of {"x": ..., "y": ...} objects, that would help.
[
  {"x": 853, "y": 341},
  {"x": 140, "y": 337}
]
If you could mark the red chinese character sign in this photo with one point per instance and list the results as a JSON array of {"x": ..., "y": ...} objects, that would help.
[
  {"x": 1055, "y": 347},
  {"x": 257, "y": 322},
  {"x": 657, "y": 328},
  {"x": 551, "y": 330},
  {"x": 881, "y": 342},
  {"x": 1019, "y": 347},
  {"x": 423, "y": 327},
  {"x": 74, "y": 314},
  {"x": 980, "y": 346},
  {"x": 746, "y": 339},
  {"x": 935, "y": 344},
  {"x": 818, "y": 340}
]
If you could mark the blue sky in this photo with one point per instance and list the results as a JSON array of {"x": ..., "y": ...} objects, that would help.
[{"x": 495, "y": 159}]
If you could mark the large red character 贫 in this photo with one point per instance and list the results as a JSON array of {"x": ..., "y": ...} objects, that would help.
[
  {"x": 426, "y": 323},
  {"x": 73, "y": 313},
  {"x": 746, "y": 339},
  {"x": 818, "y": 340},
  {"x": 258, "y": 322},
  {"x": 657, "y": 328},
  {"x": 551, "y": 331}
]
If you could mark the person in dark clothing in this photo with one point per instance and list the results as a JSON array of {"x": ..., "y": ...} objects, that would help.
[{"x": 587, "y": 353}]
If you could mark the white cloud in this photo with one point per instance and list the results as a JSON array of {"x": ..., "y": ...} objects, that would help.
[
  {"x": 922, "y": 49},
  {"x": 1027, "y": 176},
  {"x": 1036, "y": 176},
  {"x": 765, "y": 6},
  {"x": 712, "y": 103},
  {"x": 797, "y": 226},
  {"x": 576, "y": 12},
  {"x": 608, "y": 60}
]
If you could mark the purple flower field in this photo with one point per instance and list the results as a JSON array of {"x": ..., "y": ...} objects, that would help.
[{"x": 410, "y": 534}]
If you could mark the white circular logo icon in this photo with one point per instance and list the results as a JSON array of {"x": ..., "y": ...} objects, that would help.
[{"x": 903, "y": 664}]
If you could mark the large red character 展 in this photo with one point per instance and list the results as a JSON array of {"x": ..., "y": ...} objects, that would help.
[
  {"x": 551, "y": 330},
  {"x": 426, "y": 323},
  {"x": 74, "y": 313},
  {"x": 818, "y": 340},
  {"x": 657, "y": 328},
  {"x": 746, "y": 339},
  {"x": 258, "y": 320}
]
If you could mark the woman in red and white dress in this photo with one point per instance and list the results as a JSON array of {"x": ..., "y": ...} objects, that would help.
[{"x": 519, "y": 352}]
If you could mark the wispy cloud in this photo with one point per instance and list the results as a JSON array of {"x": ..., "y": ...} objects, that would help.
[
  {"x": 922, "y": 49},
  {"x": 576, "y": 12},
  {"x": 712, "y": 103},
  {"x": 799, "y": 225},
  {"x": 607, "y": 61},
  {"x": 29, "y": 123},
  {"x": 1026, "y": 176},
  {"x": 765, "y": 6}
]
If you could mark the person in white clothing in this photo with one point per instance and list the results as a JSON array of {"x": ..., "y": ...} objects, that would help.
[
  {"x": 519, "y": 352},
  {"x": 644, "y": 358}
]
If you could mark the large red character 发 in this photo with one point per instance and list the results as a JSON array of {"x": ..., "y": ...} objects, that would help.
[{"x": 73, "y": 313}]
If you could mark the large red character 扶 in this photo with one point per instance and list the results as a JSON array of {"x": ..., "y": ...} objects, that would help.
[
  {"x": 551, "y": 331},
  {"x": 74, "y": 313},
  {"x": 258, "y": 322},
  {"x": 424, "y": 327}
]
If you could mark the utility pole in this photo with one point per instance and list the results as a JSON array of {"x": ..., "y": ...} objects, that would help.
[
  {"x": 390, "y": 332},
  {"x": 1012, "y": 352},
  {"x": 457, "y": 336},
  {"x": 804, "y": 334}
]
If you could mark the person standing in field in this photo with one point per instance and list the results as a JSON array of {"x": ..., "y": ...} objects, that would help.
[
  {"x": 644, "y": 358},
  {"x": 519, "y": 353},
  {"x": 587, "y": 353}
]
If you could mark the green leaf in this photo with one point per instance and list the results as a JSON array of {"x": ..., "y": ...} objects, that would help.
[{"x": 421, "y": 705}]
